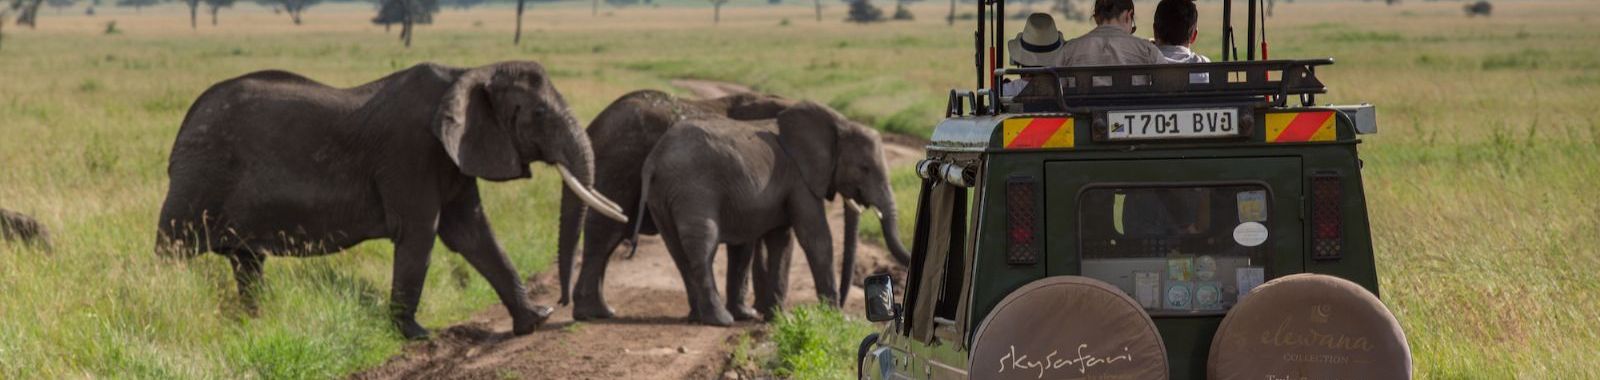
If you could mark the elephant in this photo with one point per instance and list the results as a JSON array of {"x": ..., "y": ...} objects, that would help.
[
  {"x": 622, "y": 135},
  {"x": 710, "y": 181},
  {"x": 16, "y": 226},
  {"x": 274, "y": 163}
]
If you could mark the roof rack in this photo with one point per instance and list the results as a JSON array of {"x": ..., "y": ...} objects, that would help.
[{"x": 1268, "y": 83}]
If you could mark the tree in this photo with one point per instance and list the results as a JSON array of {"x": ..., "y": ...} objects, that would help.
[
  {"x": 407, "y": 13},
  {"x": 3, "y": 14},
  {"x": 518, "y": 39},
  {"x": 862, "y": 11},
  {"x": 27, "y": 12},
  {"x": 138, "y": 5},
  {"x": 716, "y": 11},
  {"x": 214, "y": 5},
  {"x": 194, "y": 10},
  {"x": 295, "y": 8}
]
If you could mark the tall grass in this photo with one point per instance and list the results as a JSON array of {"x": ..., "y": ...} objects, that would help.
[{"x": 1480, "y": 185}]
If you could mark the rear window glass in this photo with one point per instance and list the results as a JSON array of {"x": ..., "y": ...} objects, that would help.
[{"x": 1176, "y": 249}]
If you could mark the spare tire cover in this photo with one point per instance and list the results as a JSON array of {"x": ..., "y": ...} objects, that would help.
[
  {"x": 1309, "y": 326},
  {"x": 1068, "y": 327}
]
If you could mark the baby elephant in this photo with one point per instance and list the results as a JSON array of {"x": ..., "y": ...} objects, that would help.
[
  {"x": 717, "y": 180},
  {"x": 272, "y": 163}
]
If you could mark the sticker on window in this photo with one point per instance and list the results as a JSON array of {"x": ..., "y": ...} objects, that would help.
[
  {"x": 1252, "y": 206},
  {"x": 1250, "y": 234}
]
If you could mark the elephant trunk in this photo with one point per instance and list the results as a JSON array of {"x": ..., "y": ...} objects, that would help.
[
  {"x": 852, "y": 222},
  {"x": 889, "y": 219},
  {"x": 574, "y": 159}
]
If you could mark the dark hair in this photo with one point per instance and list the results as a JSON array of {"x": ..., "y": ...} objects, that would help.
[
  {"x": 1175, "y": 19},
  {"x": 1108, "y": 9}
]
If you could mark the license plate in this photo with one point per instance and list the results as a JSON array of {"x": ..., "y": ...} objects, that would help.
[{"x": 1173, "y": 124}]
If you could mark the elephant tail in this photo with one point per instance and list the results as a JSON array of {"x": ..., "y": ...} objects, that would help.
[{"x": 638, "y": 218}]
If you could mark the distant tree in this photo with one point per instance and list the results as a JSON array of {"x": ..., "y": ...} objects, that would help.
[
  {"x": 138, "y": 5},
  {"x": 27, "y": 12},
  {"x": 819, "y": 10},
  {"x": 215, "y": 5},
  {"x": 862, "y": 11},
  {"x": 295, "y": 8},
  {"x": 3, "y": 14},
  {"x": 518, "y": 39},
  {"x": 407, "y": 13},
  {"x": 60, "y": 5},
  {"x": 902, "y": 13},
  {"x": 716, "y": 11}
]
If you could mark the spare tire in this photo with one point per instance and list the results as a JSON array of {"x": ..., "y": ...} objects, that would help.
[
  {"x": 1067, "y": 327},
  {"x": 1309, "y": 326}
]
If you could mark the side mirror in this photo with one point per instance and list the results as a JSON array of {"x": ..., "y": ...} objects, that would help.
[{"x": 880, "y": 298}]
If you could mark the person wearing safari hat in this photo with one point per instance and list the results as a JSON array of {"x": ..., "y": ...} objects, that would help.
[{"x": 1039, "y": 45}]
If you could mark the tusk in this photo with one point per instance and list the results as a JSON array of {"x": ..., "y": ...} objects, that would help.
[
  {"x": 594, "y": 200},
  {"x": 851, "y": 203}
]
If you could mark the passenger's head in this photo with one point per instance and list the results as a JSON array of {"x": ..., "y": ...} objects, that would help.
[
  {"x": 1118, "y": 12},
  {"x": 1175, "y": 22}
]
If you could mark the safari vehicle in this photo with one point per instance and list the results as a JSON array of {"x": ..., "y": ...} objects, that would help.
[{"x": 1178, "y": 221}]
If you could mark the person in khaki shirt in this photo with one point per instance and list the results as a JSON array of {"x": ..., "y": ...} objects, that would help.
[{"x": 1112, "y": 42}]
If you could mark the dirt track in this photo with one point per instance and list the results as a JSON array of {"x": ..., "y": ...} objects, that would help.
[{"x": 649, "y": 339}]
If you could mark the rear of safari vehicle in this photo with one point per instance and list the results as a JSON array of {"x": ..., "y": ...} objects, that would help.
[
  {"x": 1182, "y": 208},
  {"x": 1183, "y": 203}
]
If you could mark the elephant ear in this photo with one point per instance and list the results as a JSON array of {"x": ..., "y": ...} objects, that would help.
[
  {"x": 809, "y": 133},
  {"x": 479, "y": 143}
]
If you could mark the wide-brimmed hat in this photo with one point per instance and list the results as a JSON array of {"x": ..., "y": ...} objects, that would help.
[{"x": 1038, "y": 44}]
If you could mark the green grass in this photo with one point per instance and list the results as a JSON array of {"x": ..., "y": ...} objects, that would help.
[
  {"x": 816, "y": 342},
  {"x": 1481, "y": 184}
]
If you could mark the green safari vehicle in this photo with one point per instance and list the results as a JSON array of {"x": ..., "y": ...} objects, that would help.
[{"x": 1178, "y": 221}]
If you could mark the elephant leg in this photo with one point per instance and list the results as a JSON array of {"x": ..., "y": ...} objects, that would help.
[
  {"x": 464, "y": 229},
  {"x": 601, "y": 237},
  {"x": 772, "y": 273},
  {"x": 247, "y": 270},
  {"x": 739, "y": 258},
  {"x": 411, "y": 256},
  {"x": 816, "y": 240},
  {"x": 695, "y": 240}
]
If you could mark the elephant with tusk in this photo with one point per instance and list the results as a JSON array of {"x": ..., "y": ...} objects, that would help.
[
  {"x": 273, "y": 163},
  {"x": 711, "y": 181}
]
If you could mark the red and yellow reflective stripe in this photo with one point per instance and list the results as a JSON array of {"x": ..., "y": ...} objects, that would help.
[
  {"x": 1300, "y": 127},
  {"x": 1037, "y": 132}
]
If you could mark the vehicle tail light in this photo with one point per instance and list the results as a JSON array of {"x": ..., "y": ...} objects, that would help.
[
  {"x": 1022, "y": 222},
  {"x": 1327, "y": 221}
]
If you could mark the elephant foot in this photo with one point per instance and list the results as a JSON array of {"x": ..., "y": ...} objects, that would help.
[
  {"x": 717, "y": 317},
  {"x": 411, "y": 329},
  {"x": 585, "y": 312},
  {"x": 742, "y": 312},
  {"x": 526, "y": 324}
]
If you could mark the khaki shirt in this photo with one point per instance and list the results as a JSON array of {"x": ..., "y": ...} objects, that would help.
[{"x": 1109, "y": 45}]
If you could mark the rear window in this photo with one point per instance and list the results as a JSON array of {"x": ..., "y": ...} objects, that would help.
[{"x": 1176, "y": 249}]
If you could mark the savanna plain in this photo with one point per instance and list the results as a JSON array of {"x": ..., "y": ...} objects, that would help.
[{"x": 1482, "y": 183}]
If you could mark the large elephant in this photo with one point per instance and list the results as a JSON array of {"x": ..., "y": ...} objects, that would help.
[
  {"x": 273, "y": 163},
  {"x": 711, "y": 181},
  {"x": 622, "y": 135}
]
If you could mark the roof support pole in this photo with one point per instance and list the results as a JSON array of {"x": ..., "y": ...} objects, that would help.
[
  {"x": 1250, "y": 42},
  {"x": 1227, "y": 30}
]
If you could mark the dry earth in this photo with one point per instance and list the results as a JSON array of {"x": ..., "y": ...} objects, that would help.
[{"x": 650, "y": 337}]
